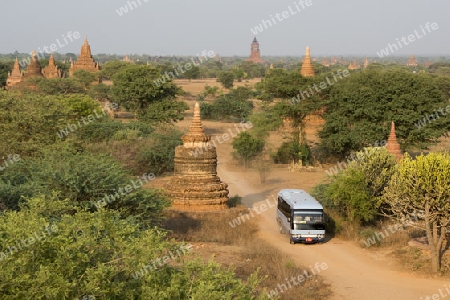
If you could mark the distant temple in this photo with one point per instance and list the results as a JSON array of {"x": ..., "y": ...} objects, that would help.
[
  {"x": 85, "y": 61},
  {"x": 353, "y": 65},
  {"x": 307, "y": 67},
  {"x": 15, "y": 76},
  {"x": 51, "y": 71},
  {"x": 325, "y": 62},
  {"x": 34, "y": 68},
  {"x": 366, "y": 63},
  {"x": 392, "y": 146},
  {"x": 255, "y": 55},
  {"x": 334, "y": 61},
  {"x": 126, "y": 58},
  {"x": 412, "y": 62},
  {"x": 195, "y": 185}
]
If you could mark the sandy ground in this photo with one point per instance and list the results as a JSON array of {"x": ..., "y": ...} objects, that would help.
[{"x": 353, "y": 272}]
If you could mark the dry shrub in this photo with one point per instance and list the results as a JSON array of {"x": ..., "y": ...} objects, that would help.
[
  {"x": 273, "y": 264},
  {"x": 211, "y": 227}
]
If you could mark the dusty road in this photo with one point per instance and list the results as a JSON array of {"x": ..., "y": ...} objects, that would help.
[{"x": 352, "y": 272}]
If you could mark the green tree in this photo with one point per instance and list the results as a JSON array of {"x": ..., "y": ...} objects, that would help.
[
  {"x": 226, "y": 107},
  {"x": 421, "y": 188},
  {"x": 86, "y": 78},
  {"x": 5, "y": 68},
  {"x": 100, "y": 92},
  {"x": 111, "y": 68},
  {"x": 247, "y": 147},
  {"x": 192, "y": 73},
  {"x": 362, "y": 106},
  {"x": 100, "y": 254},
  {"x": 58, "y": 86},
  {"x": 226, "y": 78},
  {"x": 355, "y": 191},
  {"x": 80, "y": 178},
  {"x": 238, "y": 74},
  {"x": 164, "y": 111},
  {"x": 135, "y": 88},
  {"x": 29, "y": 122}
]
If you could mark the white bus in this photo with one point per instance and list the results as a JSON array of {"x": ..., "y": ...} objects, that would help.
[{"x": 301, "y": 216}]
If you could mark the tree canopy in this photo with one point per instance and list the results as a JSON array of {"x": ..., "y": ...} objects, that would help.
[
  {"x": 421, "y": 189},
  {"x": 362, "y": 106},
  {"x": 135, "y": 89}
]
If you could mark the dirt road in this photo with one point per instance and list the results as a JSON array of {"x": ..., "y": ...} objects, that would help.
[{"x": 352, "y": 272}]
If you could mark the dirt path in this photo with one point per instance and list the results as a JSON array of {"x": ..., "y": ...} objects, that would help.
[{"x": 352, "y": 272}]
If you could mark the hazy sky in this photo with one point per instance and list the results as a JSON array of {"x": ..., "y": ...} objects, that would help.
[{"x": 176, "y": 27}]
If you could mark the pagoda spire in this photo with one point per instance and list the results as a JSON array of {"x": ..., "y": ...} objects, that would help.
[
  {"x": 51, "y": 60},
  {"x": 307, "y": 67},
  {"x": 51, "y": 71},
  {"x": 15, "y": 76},
  {"x": 196, "y": 136},
  {"x": 16, "y": 68},
  {"x": 392, "y": 146},
  {"x": 195, "y": 185}
]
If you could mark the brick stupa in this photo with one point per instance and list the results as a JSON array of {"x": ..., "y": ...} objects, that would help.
[
  {"x": 34, "y": 68},
  {"x": 15, "y": 76},
  {"x": 255, "y": 54},
  {"x": 195, "y": 185},
  {"x": 85, "y": 61},
  {"x": 307, "y": 67},
  {"x": 51, "y": 71},
  {"x": 392, "y": 146}
]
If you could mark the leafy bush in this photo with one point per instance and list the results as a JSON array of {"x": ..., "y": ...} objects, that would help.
[
  {"x": 226, "y": 107},
  {"x": 82, "y": 178},
  {"x": 226, "y": 78},
  {"x": 355, "y": 192},
  {"x": 29, "y": 123},
  {"x": 160, "y": 156},
  {"x": 100, "y": 255},
  {"x": 247, "y": 146},
  {"x": 292, "y": 151},
  {"x": 234, "y": 201},
  {"x": 241, "y": 93},
  {"x": 105, "y": 129}
]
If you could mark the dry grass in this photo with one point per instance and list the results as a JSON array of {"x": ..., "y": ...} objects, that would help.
[
  {"x": 410, "y": 256},
  {"x": 240, "y": 247}
]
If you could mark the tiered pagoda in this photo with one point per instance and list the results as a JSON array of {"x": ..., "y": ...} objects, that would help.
[
  {"x": 34, "y": 68},
  {"x": 392, "y": 146},
  {"x": 307, "y": 67},
  {"x": 195, "y": 185},
  {"x": 15, "y": 76},
  {"x": 85, "y": 61},
  {"x": 51, "y": 71},
  {"x": 412, "y": 62},
  {"x": 255, "y": 55}
]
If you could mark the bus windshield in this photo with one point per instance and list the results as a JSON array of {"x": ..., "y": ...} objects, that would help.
[{"x": 308, "y": 221}]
